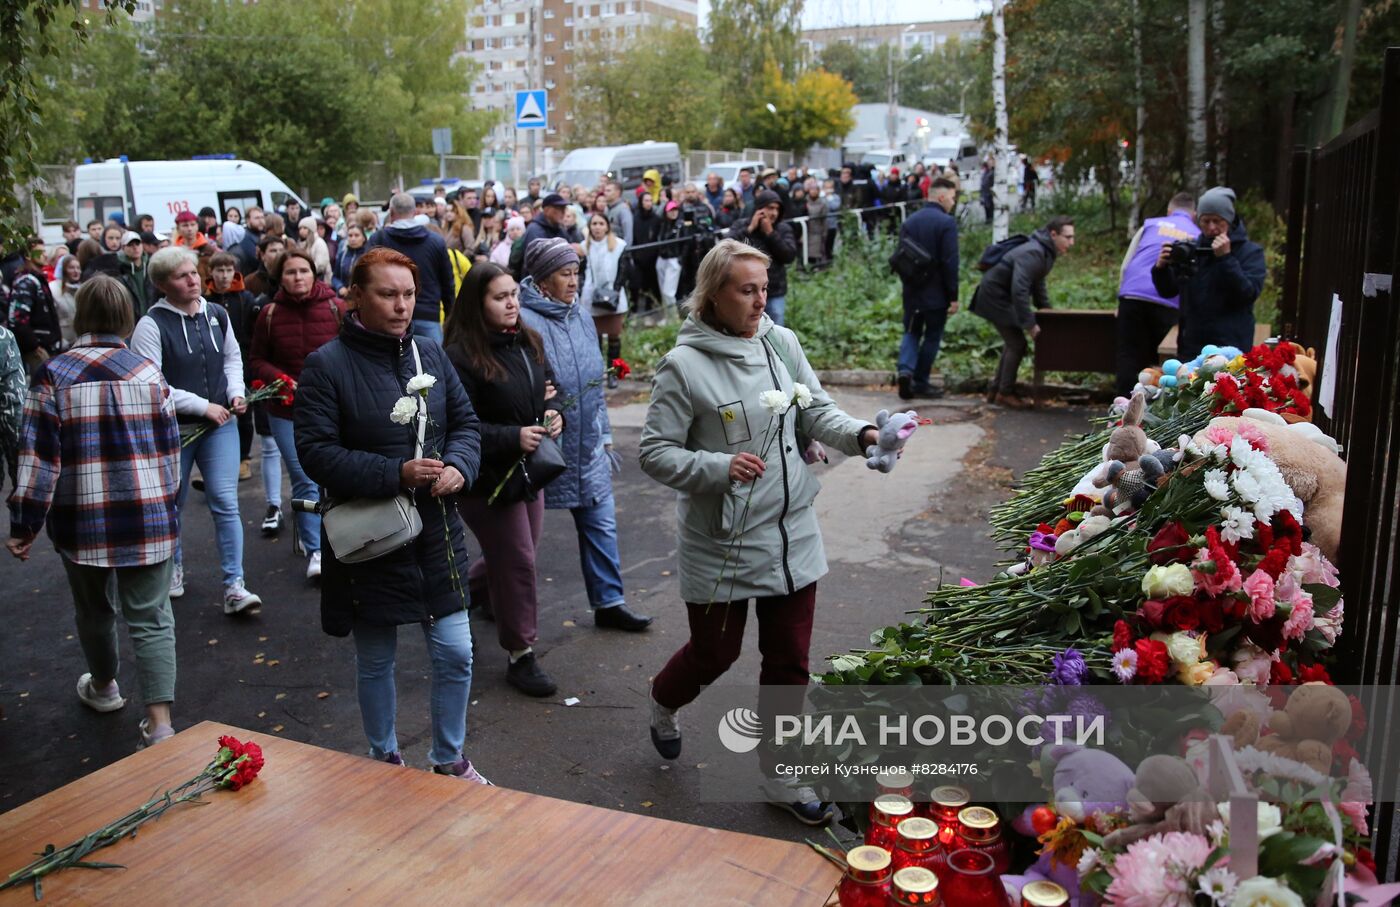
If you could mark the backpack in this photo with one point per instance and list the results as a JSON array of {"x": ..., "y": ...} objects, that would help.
[{"x": 993, "y": 254}]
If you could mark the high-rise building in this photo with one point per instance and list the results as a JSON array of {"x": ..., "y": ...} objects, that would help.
[{"x": 521, "y": 44}]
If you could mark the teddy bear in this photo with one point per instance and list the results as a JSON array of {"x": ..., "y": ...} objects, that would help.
[
  {"x": 1315, "y": 717},
  {"x": 1310, "y": 465},
  {"x": 895, "y": 430},
  {"x": 1166, "y": 796},
  {"x": 1131, "y": 474}
]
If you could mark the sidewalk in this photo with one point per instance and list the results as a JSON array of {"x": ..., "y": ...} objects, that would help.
[{"x": 888, "y": 539}]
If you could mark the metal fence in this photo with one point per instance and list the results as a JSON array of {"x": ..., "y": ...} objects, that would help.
[{"x": 1344, "y": 225}]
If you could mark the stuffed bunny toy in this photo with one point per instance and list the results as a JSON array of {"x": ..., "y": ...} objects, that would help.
[
  {"x": 894, "y": 432},
  {"x": 1131, "y": 475}
]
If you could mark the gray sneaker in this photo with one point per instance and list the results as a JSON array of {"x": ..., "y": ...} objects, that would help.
[
  {"x": 150, "y": 736},
  {"x": 665, "y": 731},
  {"x": 238, "y": 600},
  {"x": 108, "y": 699},
  {"x": 177, "y": 581},
  {"x": 801, "y": 801}
]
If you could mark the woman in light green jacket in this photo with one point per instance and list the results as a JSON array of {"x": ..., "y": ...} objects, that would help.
[{"x": 728, "y": 405}]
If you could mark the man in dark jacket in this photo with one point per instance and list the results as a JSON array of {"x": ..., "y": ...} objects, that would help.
[
  {"x": 1217, "y": 300},
  {"x": 767, "y": 232},
  {"x": 930, "y": 297},
  {"x": 1006, "y": 295},
  {"x": 548, "y": 224},
  {"x": 987, "y": 190},
  {"x": 436, "y": 290}
]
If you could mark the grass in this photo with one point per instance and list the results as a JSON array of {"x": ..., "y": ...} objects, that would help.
[{"x": 849, "y": 316}]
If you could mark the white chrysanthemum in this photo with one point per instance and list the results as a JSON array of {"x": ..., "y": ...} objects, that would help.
[
  {"x": 1217, "y": 485},
  {"x": 1218, "y": 884},
  {"x": 1265, "y": 892},
  {"x": 802, "y": 394},
  {"x": 419, "y": 384},
  {"x": 1247, "y": 486},
  {"x": 776, "y": 402},
  {"x": 1088, "y": 860},
  {"x": 1238, "y": 524},
  {"x": 1243, "y": 454},
  {"x": 1221, "y": 453},
  {"x": 404, "y": 411}
]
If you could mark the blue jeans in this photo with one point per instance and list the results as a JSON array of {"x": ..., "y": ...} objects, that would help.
[
  {"x": 432, "y": 330},
  {"x": 923, "y": 334},
  {"x": 597, "y": 548},
  {"x": 217, "y": 455},
  {"x": 775, "y": 307},
  {"x": 450, "y": 648},
  {"x": 308, "y": 524},
  {"x": 271, "y": 462}
]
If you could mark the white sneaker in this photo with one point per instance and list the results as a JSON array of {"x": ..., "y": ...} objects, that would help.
[
  {"x": 177, "y": 581},
  {"x": 665, "y": 731},
  {"x": 105, "y": 700},
  {"x": 237, "y": 599},
  {"x": 313, "y": 566}
]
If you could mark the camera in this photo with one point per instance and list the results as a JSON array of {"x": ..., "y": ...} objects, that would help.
[
  {"x": 696, "y": 216},
  {"x": 1185, "y": 257}
]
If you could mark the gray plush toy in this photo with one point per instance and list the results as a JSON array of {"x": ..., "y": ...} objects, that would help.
[{"x": 894, "y": 432}]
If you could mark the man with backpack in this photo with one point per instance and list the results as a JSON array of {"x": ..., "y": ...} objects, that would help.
[
  {"x": 926, "y": 261},
  {"x": 1016, "y": 270}
]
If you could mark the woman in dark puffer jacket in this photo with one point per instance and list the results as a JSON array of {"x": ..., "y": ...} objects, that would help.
[{"x": 352, "y": 448}]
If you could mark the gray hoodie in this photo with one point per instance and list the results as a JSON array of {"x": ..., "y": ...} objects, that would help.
[{"x": 736, "y": 540}]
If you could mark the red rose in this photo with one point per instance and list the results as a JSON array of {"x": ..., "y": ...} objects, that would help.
[
  {"x": 1314, "y": 673},
  {"x": 1153, "y": 612},
  {"x": 1280, "y": 673},
  {"x": 1171, "y": 544},
  {"x": 1152, "y": 660},
  {"x": 1182, "y": 613},
  {"x": 1122, "y": 636},
  {"x": 621, "y": 368}
]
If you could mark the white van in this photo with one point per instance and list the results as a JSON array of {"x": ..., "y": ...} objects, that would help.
[
  {"x": 626, "y": 163},
  {"x": 729, "y": 171},
  {"x": 960, "y": 149},
  {"x": 163, "y": 189}
]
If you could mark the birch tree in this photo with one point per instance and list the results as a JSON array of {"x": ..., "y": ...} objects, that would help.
[
  {"x": 1140, "y": 134},
  {"x": 1196, "y": 95},
  {"x": 1001, "y": 219}
]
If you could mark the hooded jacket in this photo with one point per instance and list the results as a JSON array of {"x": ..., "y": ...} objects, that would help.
[
  {"x": 287, "y": 332},
  {"x": 32, "y": 314},
  {"x": 429, "y": 253},
  {"x": 348, "y": 445},
  {"x": 198, "y": 354},
  {"x": 1016, "y": 283},
  {"x": 655, "y": 177},
  {"x": 705, "y": 409},
  {"x": 571, "y": 346},
  {"x": 345, "y": 263},
  {"x": 780, "y": 246},
  {"x": 1217, "y": 301},
  {"x": 242, "y": 308}
]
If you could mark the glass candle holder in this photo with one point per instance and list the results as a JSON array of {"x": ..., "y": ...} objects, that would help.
[
  {"x": 916, "y": 844},
  {"x": 893, "y": 781},
  {"x": 913, "y": 886},
  {"x": 867, "y": 881},
  {"x": 1043, "y": 894},
  {"x": 947, "y": 801},
  {"x": 888, "y": 811},
  {"x": 980, "y": 829},
  {"x": 971, "y": 880}
]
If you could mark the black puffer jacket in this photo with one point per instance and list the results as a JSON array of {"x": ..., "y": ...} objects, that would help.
[
  {"x": 348, "y": 446},
  {"x": 504, "y": 406},
  {"x": 1217, "y": 301},
  {"x": 1016, "y": 283}
]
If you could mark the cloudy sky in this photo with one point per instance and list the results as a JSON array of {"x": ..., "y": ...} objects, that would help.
[{"x": 828, "y": 13}]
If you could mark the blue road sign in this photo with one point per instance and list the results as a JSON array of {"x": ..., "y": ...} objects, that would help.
[{"x": 530, "y": 109}]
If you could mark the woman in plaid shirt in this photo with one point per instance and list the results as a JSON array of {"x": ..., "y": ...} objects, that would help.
[{"x": 108, "y": 500}]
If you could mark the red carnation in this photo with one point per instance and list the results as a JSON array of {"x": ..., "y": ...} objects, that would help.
[
  {"x": 1182, "y": 613},
  {"x": 1152, "y": 660},
  {"x": 621, "y": 368},
  {"x": 258, "y": 384},
  {"x": 1171, "y": 544},
  {"x": 1314, "y": 673},
  {"x": 1280, "y": 673},
  {"x": 1122, "y": 636}
]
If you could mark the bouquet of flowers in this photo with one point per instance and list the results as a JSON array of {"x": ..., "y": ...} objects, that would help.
[{"x": 281, "y": 389}]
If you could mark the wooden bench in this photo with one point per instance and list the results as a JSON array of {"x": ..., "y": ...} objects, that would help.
[{"x": 1074, "y": 340}]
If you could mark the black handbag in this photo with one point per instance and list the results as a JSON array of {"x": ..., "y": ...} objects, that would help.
[
  {"x": 910, "y": 260},
  {"x": 603, "y": 296},
  {"x": 545, "y": 463}
]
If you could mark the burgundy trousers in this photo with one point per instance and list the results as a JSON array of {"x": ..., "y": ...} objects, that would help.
[
  {"x": 717, "y": 635},
  {"x": 508, "y": 535}
]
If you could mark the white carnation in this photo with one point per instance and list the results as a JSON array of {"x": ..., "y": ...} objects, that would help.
[
  {"x": 404, "y": 411},
  {"x": 803, "y": 395},
  {"x": 776, "y": 402},
  {"x": 1216, "y": 484},
  {"x": 419, "y": 384}
]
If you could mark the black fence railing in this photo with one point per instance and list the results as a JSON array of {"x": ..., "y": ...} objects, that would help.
[{"x": 1344, "y": 224}]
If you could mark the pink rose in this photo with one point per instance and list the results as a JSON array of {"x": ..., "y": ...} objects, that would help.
[
  {"x": 1312, "y": 566},
  {"x": 1260, "y": 589}
]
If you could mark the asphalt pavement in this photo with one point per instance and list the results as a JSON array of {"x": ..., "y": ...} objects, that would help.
[{"x": 888, "y": 540}]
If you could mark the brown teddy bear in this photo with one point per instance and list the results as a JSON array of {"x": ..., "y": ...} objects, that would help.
[
  {"x": 1315, "y": 717},
  {"x": 1166, "y": 796},
  {"x": 1309, "y": 464}
]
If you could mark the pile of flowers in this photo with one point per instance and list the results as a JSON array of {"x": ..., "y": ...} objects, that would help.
[
  {"x": 1268, "y": 381},
  {"x": 234, "y": 766}
]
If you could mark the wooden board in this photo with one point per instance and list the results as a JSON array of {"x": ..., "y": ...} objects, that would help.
[{"x": 321, "y": 827}]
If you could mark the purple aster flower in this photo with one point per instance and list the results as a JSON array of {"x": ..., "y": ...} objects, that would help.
[{"x": 1069, "y": 668}]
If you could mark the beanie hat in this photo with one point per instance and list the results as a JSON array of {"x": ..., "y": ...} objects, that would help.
[
  {"x": 349, "y": 199},
  {"x": 765, "y": 197},
  {"x": 1219, "y": 201},
  {"x": 516, "y": 221},
  {"x": 186, "y": 217},
  {"x": 545, "y": 256}
]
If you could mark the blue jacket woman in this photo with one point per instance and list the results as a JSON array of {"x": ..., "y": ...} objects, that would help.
[{"x": 547, "y": 301}]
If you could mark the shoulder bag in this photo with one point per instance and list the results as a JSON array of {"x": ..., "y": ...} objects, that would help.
[
  {"x": 545, "y": 463},
  {"x": 604, "y": 296},
  {"x": 363, "y": 529}
]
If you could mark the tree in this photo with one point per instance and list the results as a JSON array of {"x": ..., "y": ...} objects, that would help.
[
  {"x": 615, "y": 98},
  {"x": 1001, "y": 220},
  {"x": 938, "y": 79},
  {"x": 29, "y": 32},
  {"x": 745, "y": 38},
  {"x": 857, "y": 65},
  {"x": 814, "y": 109},
  {"x": 1196, "y": 95}
]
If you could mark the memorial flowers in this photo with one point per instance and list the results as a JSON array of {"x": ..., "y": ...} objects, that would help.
[
  {"x": 235, "y": 766},
  {"x": 282, "y": 389}
]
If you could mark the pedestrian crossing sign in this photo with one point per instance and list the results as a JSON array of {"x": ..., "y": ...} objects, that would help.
[{"x": 530, "y": 107}]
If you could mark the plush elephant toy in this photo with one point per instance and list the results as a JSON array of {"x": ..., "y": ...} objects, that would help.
[{"x": 894, "y": 432}]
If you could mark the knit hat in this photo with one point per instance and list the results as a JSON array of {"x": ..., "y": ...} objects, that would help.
[
  {"x": 186, "y": 217},
  {"x": 516, "y": 221},
  {"x": 545, "y": 256},
  {"x": 349, "y": 199},
  {"x": 1219, "y": 201},
  {"x": 765, "y": 197}
]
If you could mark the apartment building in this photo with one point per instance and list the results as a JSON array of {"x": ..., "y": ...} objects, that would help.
[
  {"x": 927, "y": 35},
  {"x": 523, "y": 44}
]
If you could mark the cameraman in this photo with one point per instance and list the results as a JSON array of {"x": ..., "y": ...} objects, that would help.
[
  {"x": 1144, "y": 317},
  {"x": 766, "y": 231},
  {"x": 1217, "y": 297}
]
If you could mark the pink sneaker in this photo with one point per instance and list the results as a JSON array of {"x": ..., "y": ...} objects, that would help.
[{"x": 463, "y": 769}]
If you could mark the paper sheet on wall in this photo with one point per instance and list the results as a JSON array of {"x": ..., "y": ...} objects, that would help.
[{"x": 1327, "y": 388}]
